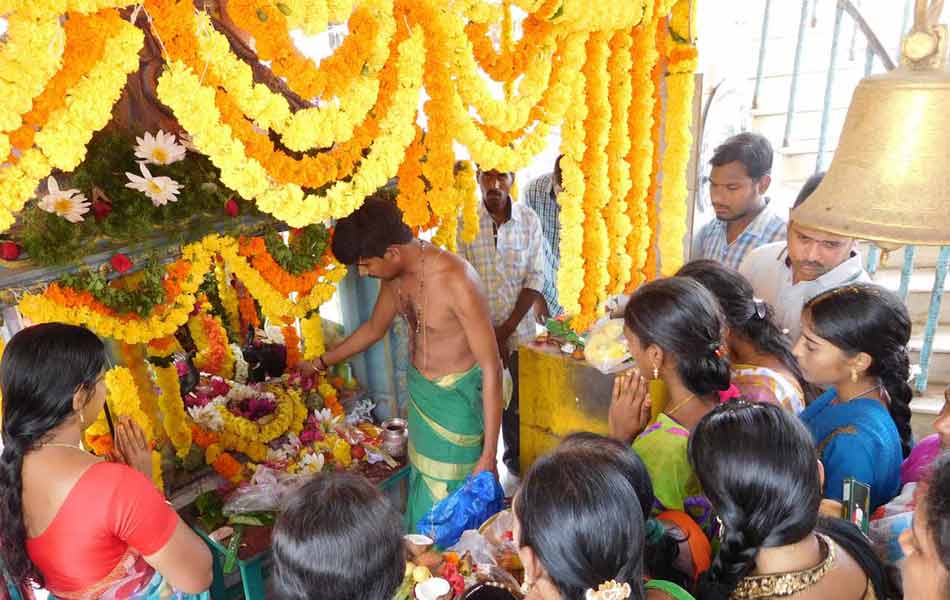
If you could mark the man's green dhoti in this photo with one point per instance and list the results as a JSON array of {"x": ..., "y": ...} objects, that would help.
[{"x": 446, "y": 431}]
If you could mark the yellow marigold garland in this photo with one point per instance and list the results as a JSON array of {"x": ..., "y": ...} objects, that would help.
[
  {"x": 317, "y": 127},
  {"x": 640, "y": 157},
  {"x": 412, "y": 197},
  {"x": 615, "y": 215},
  {"x": 311, "y": 332},
  {"x": 123, "y": 400},
  {"x": 659, "y": 69},
  {"x": 468, "y": 194},
  {"x": 570, "y": 277},
  {"x": 597, "y": 189},
  {"x": 214, "y": 352},
  {"x": 228, "y": 296},
  {"x": 679, "y": 140},
  {"x": 174, "y": 418},
  {"x": 193, "y": 104},
  {"x": 283, "y": 420},
  {"x": 133, "y": 357}
]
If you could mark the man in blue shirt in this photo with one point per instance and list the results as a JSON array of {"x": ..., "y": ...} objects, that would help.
[{"x": 740, "y": 177}]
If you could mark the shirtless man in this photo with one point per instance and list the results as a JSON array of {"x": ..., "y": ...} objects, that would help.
[{"x": 455, "y": 378}]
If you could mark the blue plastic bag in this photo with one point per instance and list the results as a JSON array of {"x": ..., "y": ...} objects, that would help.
[{"x": 479, "y": 498}]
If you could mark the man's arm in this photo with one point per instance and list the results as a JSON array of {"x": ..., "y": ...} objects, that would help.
[
  {"x": 471, "y": 308},
  {"x": 369, "y": 332}
]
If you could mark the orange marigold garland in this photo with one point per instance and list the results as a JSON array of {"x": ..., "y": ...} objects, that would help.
[
  {"x": 597, "y": 189},
  {"x": 656, "y": 134},
  {"x": 255, "y": 250},
  {"x": 292, "y": 343},
  {"x": 412, "y": 197}
]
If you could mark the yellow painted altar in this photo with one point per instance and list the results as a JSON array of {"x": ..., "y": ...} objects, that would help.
[{"x": 559, "y": 395}]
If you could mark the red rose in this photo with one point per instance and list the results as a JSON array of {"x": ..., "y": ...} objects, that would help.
[
  {"x": 231, "y": 207},
  {"x": 101, "y": 209},
  {"x": 121, "y": 263},
  {"x": 9, "y": 250}
]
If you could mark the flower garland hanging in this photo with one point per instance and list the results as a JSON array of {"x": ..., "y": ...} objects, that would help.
[
  {"x": 597, "y": 190},
  {"x": 255, "y": 250},
  {"x": 570, "y": 276},
  {"x": 311, "y": 331},
  {"x": 680, "y": 86},
  {"x": 193, "y": 103},
  {"x": 173, "y": 22},
  {"x": 169, "y": 401},
  {"x": 366, "y": 48},
  {"x": 309, "y": 128},
  {"x": 292, "y": 344},
  {"x": 64, "y": 305},
  {"x": 30, "y": 57},
  {"x": 86, "y": 36},
  {"x": 508, "y": 63},
  {"x": 228, "y": 296},
  {"x": 123, "y": 401},
  {"x": 214, "y": 352},
  {"x": 641, "y": 156},
  {"x": 62, "y": 142},
  {"x": 133, "y": 357},
  {"x": 311, "y": 16},
  {"x": 412, "y": 197},
  {"x": 273, "y": 303},
  {"x": 618, "y": 224},
  {"x": 468, "y": 194},
  {"x": 656, "y": 134}
]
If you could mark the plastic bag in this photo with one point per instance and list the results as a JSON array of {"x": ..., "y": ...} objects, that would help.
[
  {"x": 265, "y": 493},
  {"x": 466, "y": 508},
  {"x": 475, "y": 543},
  {"x": 606, "y": 348}
]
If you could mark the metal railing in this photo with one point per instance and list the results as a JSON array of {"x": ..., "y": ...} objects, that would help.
[{"x": 875, "y": 51}]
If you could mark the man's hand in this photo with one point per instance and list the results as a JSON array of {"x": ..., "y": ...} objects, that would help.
[
  {"x": 630, "y": 407},
  {"x": 502, "y": 333},
  {"x": 541, "y": 312},
  {"x": 487, "y": 462},
  {"x": 309, "y": 368}
]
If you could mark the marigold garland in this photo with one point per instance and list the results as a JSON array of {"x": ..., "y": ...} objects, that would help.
[
  {"x": 316, "y": 127},
  {"x": 365, "y": 48},
  {"x": 412, "y": 193},
  {"x": 28, "y": 60},
  {"x": 292, "y": 344},
  {"x": 597, "y": 190},
  {"x": 64, "y": 305},
  {"x": 570, "y": 277},
  {"x": 133, "y": 357},
  {"x": 656, "y": 134},
  {"x": 618, "y": 146},
  {"x": 680, "y": 86},
  {"x": 468, "y": 194},
  {"x": 255, "y": 250},
  {"x": 228, "y": 296},
  {"x": 86, "y": 36},
  {"x": 123, "y": 401},
  {"x": 214, "y": 352},
  {"x": 311, "y": 331},
  {"x": 169, "y": 401},
  {"x": 194, "y": 106},
  {"x": 641, "y": 155},
  {"x": 62, "y": 142}
]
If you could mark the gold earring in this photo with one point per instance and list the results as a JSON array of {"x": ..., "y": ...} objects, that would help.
[
  {"x": 82, "y": 419},
  {"x": 854, "y": 375},
  {"x": 656, "y": 372}
]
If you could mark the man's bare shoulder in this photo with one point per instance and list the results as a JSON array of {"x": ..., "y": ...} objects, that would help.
[{"x": 455, "y": 270}]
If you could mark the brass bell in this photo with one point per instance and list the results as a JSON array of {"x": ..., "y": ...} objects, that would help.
[{"x": 889, "y": 181}]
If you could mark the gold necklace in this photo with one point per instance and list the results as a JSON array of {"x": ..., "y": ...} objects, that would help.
[
  {"x": 787, "y": 584},
  {"x": 59, "y": 445},
  {"x": 680, "y": 405}
]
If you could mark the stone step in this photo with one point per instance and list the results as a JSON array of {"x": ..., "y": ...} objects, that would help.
[
  {"x": 940, "y": 357},
  {"x": 920, "y": 291}
]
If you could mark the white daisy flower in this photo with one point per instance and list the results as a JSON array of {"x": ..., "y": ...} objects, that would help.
[
  {"x": 70, "y": 204},
  {"x": 208, "y": 416},
  {"x": 160, "y": 190},
  {"x": 160, "y": 149}
]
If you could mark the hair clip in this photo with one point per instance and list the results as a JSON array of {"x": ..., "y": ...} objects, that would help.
[
  {"x": 761, "y": 308},
  {"x": 610, "y": 590}
]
